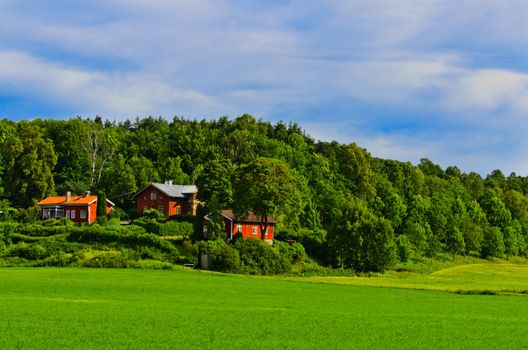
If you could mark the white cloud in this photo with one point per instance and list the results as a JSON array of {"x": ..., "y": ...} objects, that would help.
[
  {"x": 488, "y": 90},
  {"x": 119, "y": 95}
]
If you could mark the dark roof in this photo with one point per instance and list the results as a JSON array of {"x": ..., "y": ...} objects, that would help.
[
  {"x": 250, "y": 217},
  {"x": 175, "y": 191}
]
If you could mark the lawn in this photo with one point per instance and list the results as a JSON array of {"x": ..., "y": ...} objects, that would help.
[{"x": 48, "y": 308}]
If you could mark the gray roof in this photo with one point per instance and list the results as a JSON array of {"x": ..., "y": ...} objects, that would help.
[{"x": 178, "y": 191}]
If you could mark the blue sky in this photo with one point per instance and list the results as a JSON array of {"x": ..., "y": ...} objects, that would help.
[{"x": 442, "y": 79}]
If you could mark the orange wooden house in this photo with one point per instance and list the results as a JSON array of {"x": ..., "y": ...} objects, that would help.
[
  {"x": 79, "y": 209},
  {"x": 248, "y": 226},
  {"x": 168, "y": 198}
]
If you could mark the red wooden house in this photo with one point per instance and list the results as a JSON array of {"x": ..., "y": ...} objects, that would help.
[
  {"x": 248, "y": 226},
  {"x": 80, "y": 209},
  {"x": 169, "y": 199}
]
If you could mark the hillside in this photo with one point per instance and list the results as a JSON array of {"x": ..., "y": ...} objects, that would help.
[{"x": 347, "y": 208}]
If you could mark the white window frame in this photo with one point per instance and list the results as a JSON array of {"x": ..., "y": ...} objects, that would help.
[
  {"x": 239, "y": 228},
  {"x": 83, "y": 214},
  {"x": 254, "y": 230},
  {"x": 153, "y": 196},
  {"x": 72, "y": 214},
  {"x": 205, "y": 228},
  {"x": 178, "y": 210},
  {"x": 67, "y": 213}
]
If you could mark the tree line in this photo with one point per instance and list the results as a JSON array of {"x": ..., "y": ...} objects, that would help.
[{"x": 347, "y": 208}]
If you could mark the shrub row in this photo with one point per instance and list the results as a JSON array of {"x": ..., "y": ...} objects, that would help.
[
  {"x": 130, "y": 236},
  {"x": 182, "y": 229},
  {"x": 252, "y": 256}
]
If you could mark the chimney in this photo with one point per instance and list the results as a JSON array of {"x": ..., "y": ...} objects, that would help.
[
  {"x": 87, "y": 193},
  {"x": 168, "y": 182},
  {"x": 68, "y": 196}
]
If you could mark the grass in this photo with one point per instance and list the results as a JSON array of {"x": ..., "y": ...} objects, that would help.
[
  {"x": 50, "y": 308},
  {"x": 476, "y": 278}
]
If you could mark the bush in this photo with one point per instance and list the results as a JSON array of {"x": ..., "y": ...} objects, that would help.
[
  {"x": 28, "y": 251},
  {"x": 190, "y": 251},
  {"x": 152, "y": 214},
  {"x": 50, "y": 229},
  {"x": 226, "y": 259},
  {"x": 131, "y": 236},
  {"x": 258, "y": 258},
  {"x": 181, "y": 229},
  {"x": 403, "y": 248},
  {"x": 102, "y": 220},
  {"x": 109, "y": 259},
  {"x": 493, "y": 243},
  {"x": 183, "y": 218}
]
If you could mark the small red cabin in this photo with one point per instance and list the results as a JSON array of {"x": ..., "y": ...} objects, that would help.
[
  {"x": 79, "y": 209},
  {"x": 248, "y": 226},
  {"x": 169, "y": 199}
]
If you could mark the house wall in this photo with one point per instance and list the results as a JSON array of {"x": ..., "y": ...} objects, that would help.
[
  {"x": 170, "y": 205},
  {"x": 91, "y": 212},
  {"x": 247, "y": 230}
]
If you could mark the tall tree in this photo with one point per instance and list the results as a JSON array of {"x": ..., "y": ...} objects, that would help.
[
  {"x": 99, "y": 144},
  {"x": 215, "y": 183},
  {"x": 30, "y": 160},
  {"x": 264, "y": 186},
  {"x": 361, "y": 240}
]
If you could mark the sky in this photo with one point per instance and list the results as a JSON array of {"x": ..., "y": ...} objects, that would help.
[{"x": 440, "y": 79}]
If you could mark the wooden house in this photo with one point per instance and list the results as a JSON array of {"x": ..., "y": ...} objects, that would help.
[
  {"x": 248, "y": 226},
  {"x": 168, "y": 198},
  {"x": 79, "y": 209}
]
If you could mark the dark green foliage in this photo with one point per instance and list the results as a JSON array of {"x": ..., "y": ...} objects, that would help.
[
  {"x": 361, "y": 240},
  {"x": 403, "y": 248},
  {"x": 154, "y": 222},
  {"x": 274, "y": 170},
  {"x": 493, "y": 244},
  {"x": 101, "y": 206},
  {"x": 455, "y": 242},
  {"x": 259, "y": 258},
  {"x": 264, "y": 187},
  {"x": 132, "y": 237}
]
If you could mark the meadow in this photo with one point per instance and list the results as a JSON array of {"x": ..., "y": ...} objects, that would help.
[{"x": 80, "y": 308}]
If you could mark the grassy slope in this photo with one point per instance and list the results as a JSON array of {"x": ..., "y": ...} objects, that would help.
[
  {"x": 503, "y": 278},
  {"x": 103, "y": 308}
]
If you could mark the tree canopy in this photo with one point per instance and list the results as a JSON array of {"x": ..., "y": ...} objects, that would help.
[{"x": 345, "y": 206}]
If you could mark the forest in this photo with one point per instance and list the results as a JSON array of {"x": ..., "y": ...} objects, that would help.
[{"x": 345, "y": 207}]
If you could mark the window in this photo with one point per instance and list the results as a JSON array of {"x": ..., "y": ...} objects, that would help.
[
  {"x": 152, "y": 196},
  {"x": 204, "y": 229},
  {"x": 239, "y": 227},
  {"x": 160, "y": 208},
  {"x": 254, "y": 230},
  {"x": 83, "y": 214},
  {"x": 60, "y": 213},
  {"x": 68, "y": 214},
  {"x": 72, "y": 214},
  {"x": 178, "y": 210}
]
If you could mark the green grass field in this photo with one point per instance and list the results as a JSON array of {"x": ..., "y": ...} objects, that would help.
[{"x": 49, "y": 308}]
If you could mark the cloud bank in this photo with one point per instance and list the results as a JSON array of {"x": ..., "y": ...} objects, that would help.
[{"x": 438, "y": 79}]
